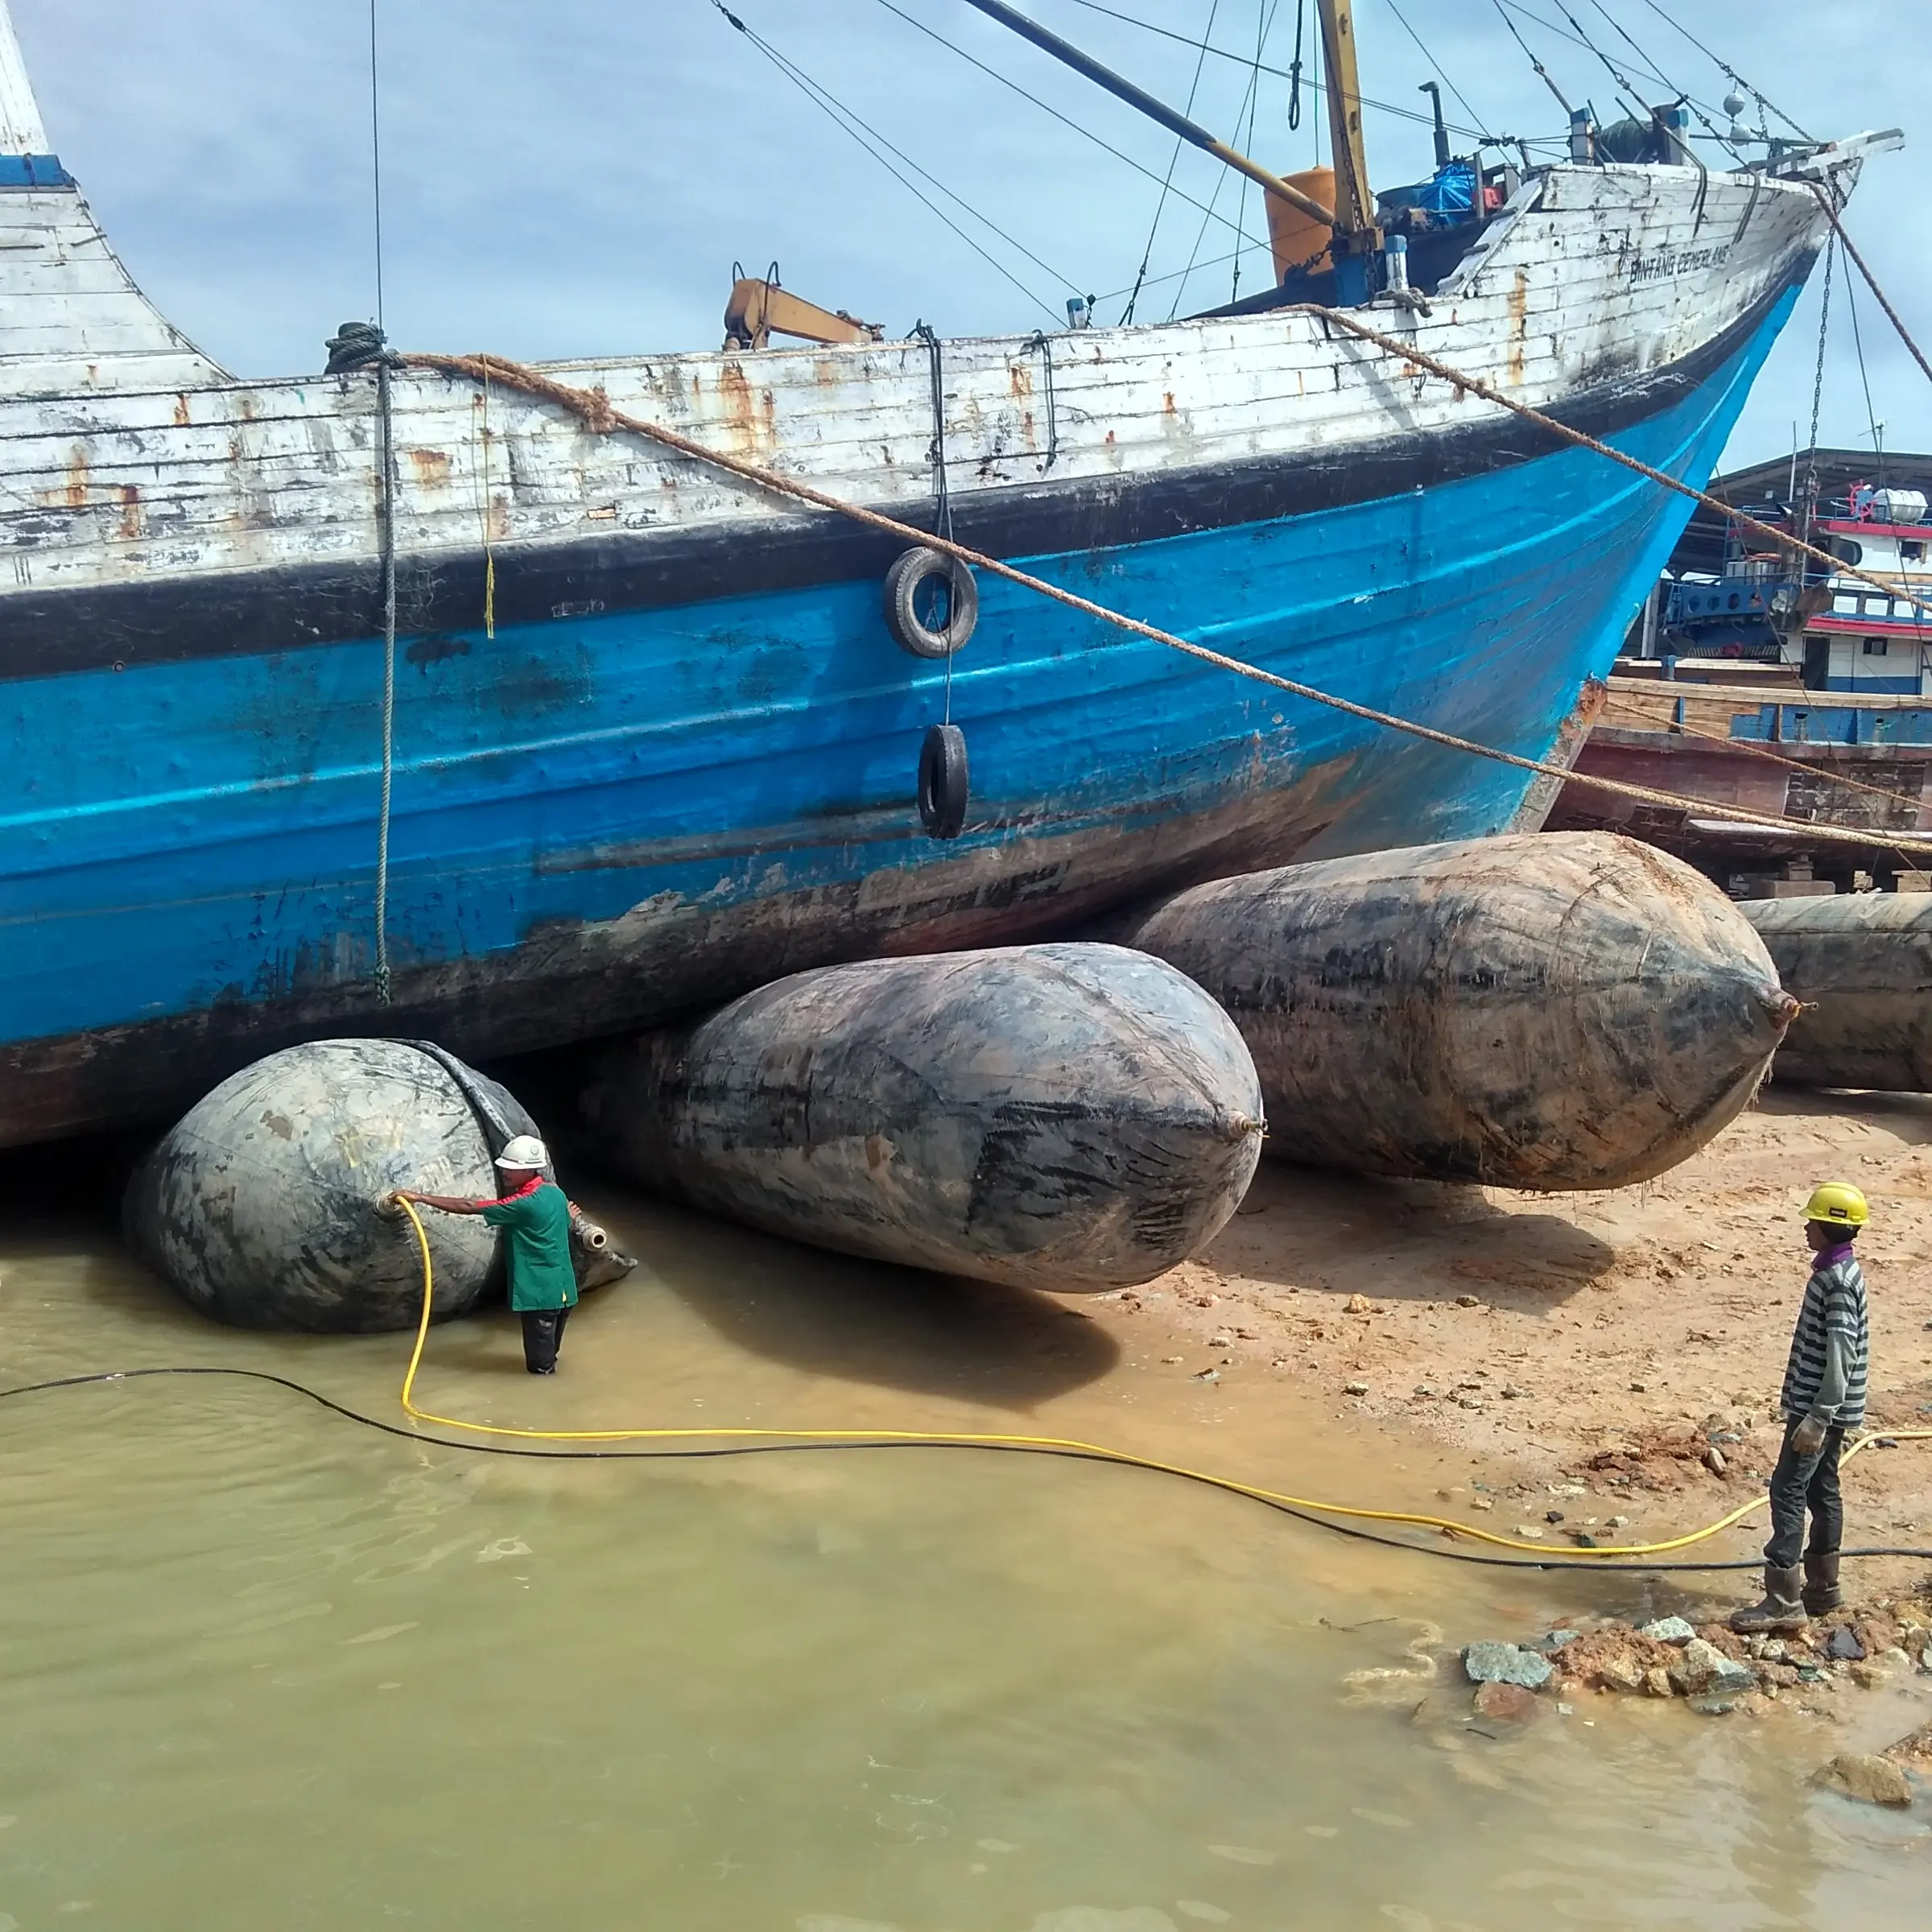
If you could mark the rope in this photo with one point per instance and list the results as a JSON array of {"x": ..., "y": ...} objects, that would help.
[
  {"x": 1042, "y": 344},
  {"x": 1315, "y": 90},
  {"x": 1724, "y": 67},
  {"x": 360, "y": 346},
  {"x": 1441, "y": 74},
  {"x": 866, "y": 135},
  {"x": 489, "y": 554},
  {"x": 1542, "y": 73},
  {"x": 1200, "y": 60},
  {"x": 387, "y": 441},
  {"x": 1264, "y": 21},
  {"x": 1067, "y": 121},
  {"x": 1892, "y": 315},
  {"x": 1065, "y": 1446},
  {"x": 1294, "y": 66},
  {"x": 1475, "y": 386},
  {"x": 593, "y": 407}
]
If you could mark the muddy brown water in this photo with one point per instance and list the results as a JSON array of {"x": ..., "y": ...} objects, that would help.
[{"x": 261, "y": 1667}]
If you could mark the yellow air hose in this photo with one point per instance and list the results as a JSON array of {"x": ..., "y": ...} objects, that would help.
[{"x": 1066, "y": 1445}]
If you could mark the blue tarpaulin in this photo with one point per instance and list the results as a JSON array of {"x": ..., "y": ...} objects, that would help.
[{"x": 1451, "y": 191}]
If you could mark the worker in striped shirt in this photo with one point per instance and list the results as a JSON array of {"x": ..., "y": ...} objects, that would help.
[{"x": 1824, "y": 1395}]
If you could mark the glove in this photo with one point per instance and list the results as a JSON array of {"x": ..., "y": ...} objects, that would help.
[{"x": 1808, "y": 1437}]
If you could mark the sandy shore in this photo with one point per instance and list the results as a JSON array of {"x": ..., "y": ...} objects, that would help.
[{"x": 1591, "y": 1351}]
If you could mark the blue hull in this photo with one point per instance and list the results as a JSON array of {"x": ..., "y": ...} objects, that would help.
[{"x": 601, "y": 821}]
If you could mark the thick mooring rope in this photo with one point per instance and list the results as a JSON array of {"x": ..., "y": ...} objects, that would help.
[
  {"x": 1476, "y": 387},
  {"x": 594, "y": 408}
]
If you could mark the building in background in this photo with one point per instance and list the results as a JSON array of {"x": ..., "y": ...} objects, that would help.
[
  {"x": 1730, "y": 597},
  {"x": 1755, "y": 678}
]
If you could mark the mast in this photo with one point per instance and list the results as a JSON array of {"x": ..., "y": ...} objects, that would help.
[
  {"x": 1357, "y": 235},
  {"x": 21, "y": 131},
  {"x": 1158, "y": 110}
]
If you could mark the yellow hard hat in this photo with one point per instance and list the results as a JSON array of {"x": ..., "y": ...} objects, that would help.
[{"x": 1837, "y": 1203}]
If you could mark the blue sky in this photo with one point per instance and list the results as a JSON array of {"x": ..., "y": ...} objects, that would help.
[{"x": 578, "y": 177}]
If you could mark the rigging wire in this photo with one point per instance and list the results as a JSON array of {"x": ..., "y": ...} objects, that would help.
[
  {"x": 1727, "y": 69},
  {"x": 1264, "y": 18},
  {"x": 867, "y": 136},
  {"x": 1579, "y": 37},
  {"x": 1650, "y": 68},
  {"x": 1176, "y": 274},
  {"x": 1436, "y": 66},
  {"x": 1047, "y": 108},
  {"x": 1623, "y": 80},
  {"x": 1542, "y": 73},
  {"x": 1246, "y": 106},
  {"x": 1200, "y": 60},
  {"x": 1288, "y": 73},
  {"x": 1671, "y": 87}
]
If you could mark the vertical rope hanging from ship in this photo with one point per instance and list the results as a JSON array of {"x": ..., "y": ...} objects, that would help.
[{"x": 386, "y": 443}]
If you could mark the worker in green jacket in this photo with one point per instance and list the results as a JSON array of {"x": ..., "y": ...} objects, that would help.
[{"x": 534, "y": 1216}]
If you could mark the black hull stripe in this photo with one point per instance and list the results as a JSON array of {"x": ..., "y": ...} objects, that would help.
[{"x": 254, "y": 613}]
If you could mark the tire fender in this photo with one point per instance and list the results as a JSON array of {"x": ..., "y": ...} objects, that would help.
[
  {"x": 943, "y": 786},
  {"x": 910, "y": 572}
]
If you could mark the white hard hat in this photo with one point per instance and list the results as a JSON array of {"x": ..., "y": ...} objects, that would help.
[{"x": 526, "y": 1150}]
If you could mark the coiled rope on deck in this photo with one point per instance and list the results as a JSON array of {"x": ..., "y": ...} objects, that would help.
[{"x": 594, "y": 408}]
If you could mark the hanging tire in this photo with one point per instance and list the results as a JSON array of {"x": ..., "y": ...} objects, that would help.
[
  {"x": 932, "y": 602},
  {"x": 943, "y": 787}
]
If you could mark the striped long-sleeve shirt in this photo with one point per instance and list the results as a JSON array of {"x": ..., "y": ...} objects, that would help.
[{"x": 1831, "y": 1346}]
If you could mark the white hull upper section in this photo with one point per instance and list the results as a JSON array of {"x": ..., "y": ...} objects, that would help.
[
  {"x": 126, "y": 455},
  {"x": 1593, "y": 275}
]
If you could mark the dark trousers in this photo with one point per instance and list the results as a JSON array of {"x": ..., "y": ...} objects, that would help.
[
  {"x": 543, "y": 1336},
  {"x": 1797, "y": 1484}
]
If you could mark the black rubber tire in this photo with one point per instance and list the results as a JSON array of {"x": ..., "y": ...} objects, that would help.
[
  {"x": 909, "y": 572},
  {"x": 944, "y": 784}
]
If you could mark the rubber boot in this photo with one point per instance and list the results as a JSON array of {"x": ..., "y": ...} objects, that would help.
[
  {"x": 1822, "y": 1592},
  {"x": 1782, "y": 1609}
]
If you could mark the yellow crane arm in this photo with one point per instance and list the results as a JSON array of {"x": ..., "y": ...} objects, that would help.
[{"x": 757, "y": 308}]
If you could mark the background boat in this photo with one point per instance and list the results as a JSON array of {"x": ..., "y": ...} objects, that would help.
[{"x": 653, "y": 745}]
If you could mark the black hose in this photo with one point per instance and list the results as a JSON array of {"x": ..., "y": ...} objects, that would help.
[{"x": 657, "y": 1455}]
